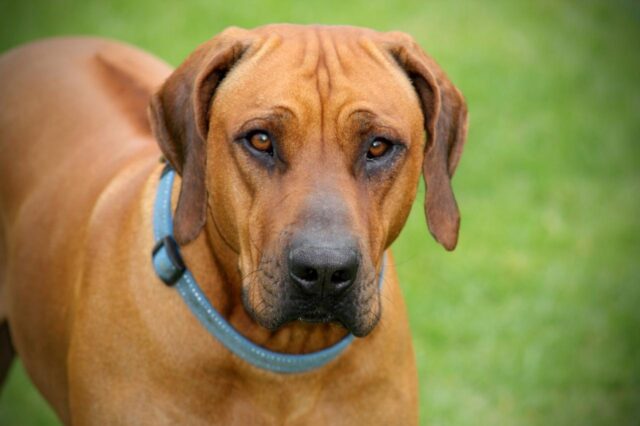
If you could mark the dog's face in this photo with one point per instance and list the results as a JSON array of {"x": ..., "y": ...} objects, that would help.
[{"x": 314, "y": 139}]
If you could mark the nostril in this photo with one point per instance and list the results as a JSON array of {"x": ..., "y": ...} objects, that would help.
[
  {"x": 308, "y": 274},
  {"x": 340, "y": 276}
]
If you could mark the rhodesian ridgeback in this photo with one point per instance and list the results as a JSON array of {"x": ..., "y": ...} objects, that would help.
[{"x": 294, "y": 153}]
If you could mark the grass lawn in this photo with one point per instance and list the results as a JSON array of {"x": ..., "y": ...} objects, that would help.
[{"x": 535, "y": 318}]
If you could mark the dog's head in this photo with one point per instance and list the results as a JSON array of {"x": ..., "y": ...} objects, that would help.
[{"x": 304, "y": 145}]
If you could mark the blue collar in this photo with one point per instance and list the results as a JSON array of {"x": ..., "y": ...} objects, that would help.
[{"x": 170, "y": 268}]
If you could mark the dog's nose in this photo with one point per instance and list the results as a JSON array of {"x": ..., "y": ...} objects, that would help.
[{"x": 323, "y": 271}]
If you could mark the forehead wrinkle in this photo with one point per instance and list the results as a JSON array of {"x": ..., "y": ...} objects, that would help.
[
  {"x": 374, "y": 52},
  {"x": 336, "y": 89},
  {"x": 310, "y": 55},
  {"x": 344, "y": 51},
  {"x": 323, "y": 80},
  {"x": 323, "y": 86},
  {"x": 263, "y": 47},
  {"x": 301, "y": 56},
  {"x": 333, "y": 62}
]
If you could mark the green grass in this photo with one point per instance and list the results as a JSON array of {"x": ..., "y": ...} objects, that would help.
[{"x": 535, "y": 318}]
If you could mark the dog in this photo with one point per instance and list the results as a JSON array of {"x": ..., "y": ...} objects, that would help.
[{"x": 294, "y": 153}]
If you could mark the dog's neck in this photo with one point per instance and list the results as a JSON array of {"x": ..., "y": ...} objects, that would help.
[{"x": 214, "y": 266}]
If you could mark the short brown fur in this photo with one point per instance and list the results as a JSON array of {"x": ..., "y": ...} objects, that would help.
[{"x": 100, "y": 336}]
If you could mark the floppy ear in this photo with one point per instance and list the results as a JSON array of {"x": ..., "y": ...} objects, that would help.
[
  {"x": 179, "y": 115},
  {"x": 445, "y": 121}
]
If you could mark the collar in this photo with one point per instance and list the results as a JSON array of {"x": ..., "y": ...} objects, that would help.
[{"x": 171, "y": 269}]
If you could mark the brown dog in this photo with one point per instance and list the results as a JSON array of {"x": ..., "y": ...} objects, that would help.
[{"x": 299, "y": 151}]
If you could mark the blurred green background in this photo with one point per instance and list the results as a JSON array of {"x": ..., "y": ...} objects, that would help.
[{"x": 535, "y": 318}]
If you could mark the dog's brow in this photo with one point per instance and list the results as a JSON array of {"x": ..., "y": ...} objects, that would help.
[
  {"x": 278, "y": 113},
  {"x": 276, "y": 118},
  {"x": 367, "y": 121},
  {"x": 362, "y": 114},
  {"x": 285, "y": 110}
]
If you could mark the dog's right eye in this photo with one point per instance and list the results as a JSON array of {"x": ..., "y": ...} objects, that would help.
[{"x": 260, "y": 141}]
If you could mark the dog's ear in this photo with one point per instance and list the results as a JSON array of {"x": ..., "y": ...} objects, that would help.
[
  {"x": 179, "y": 115},
  {"x": 445, "y": 121}
]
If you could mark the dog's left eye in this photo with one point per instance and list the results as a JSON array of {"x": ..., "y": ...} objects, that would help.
[
  {"x": 261, "y": 141},
  {"x": 378, "y": 148}
]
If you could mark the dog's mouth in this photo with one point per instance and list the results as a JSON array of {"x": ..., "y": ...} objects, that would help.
[
  {"x": 317, "y": 316},
  {"x": 314, "y": 313},
  {"x": 277, "y": 294},
  {"x": 273, "y": 306}
]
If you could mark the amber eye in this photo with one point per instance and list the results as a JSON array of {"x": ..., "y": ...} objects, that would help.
[
  {"x": 261, "y": 141},
  {"x": 378, "y": 148}
]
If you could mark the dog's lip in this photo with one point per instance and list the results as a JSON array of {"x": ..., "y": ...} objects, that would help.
[
  {"x": 318, "y": 315},
  {"x": 323, "y": 311},
  {"x": 322, "y": 316}
]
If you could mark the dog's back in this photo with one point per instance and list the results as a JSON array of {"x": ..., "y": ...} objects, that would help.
[
  {"x": 60, "y": 99},
  {"x": 72, "y": 116}
]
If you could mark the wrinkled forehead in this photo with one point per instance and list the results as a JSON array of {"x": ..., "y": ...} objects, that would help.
[{"x": 332, "y": 69}]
